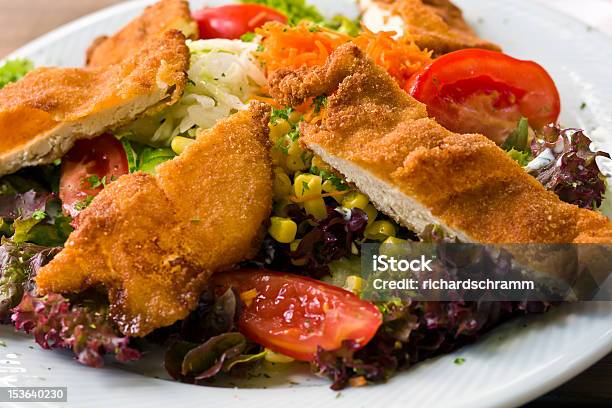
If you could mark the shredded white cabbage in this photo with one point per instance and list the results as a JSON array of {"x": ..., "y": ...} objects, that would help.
[{"x": 222, "y": 77}]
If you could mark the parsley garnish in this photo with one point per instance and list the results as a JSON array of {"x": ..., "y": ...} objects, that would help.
[
  {"x": 83, "y": 204},
  {"x": 333, "y": 178},
  {"x": 39, "y": 215},
  {"x": 95, "y": 181},
  {"x": 305, "y": 187},
  {"x": 248, "y": 37},
  {"x": 320, "y": 102},
  {"x": 459, "y": 360}
]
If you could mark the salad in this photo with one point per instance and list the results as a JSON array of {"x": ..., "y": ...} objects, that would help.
[{"x": 295, "y": 298}]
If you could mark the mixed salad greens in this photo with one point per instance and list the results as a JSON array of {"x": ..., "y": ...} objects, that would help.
[{"x": 318, "y": 225}]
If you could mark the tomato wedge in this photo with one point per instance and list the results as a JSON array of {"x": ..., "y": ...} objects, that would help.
[
  {"x": 487, "y": 92},
  {"x": 234, "y": 20},
  {"x": 87, "y": 167},
  {"x": 294, "y": 315}
]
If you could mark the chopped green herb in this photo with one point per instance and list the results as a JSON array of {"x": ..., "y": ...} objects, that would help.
[
  {"x": 338, "y": 183},
  {"x": 319, "y": 103},
  {"x": 459, "y": 360},
  {"x": 83, "y": 204},
  {"x": 39, "y": 215},
  {"x": 305, "y": 187},
  {"x": 583, "y": 106},
  {"x": 248, "y": 37},
  {"x": 95, "y": 181}
]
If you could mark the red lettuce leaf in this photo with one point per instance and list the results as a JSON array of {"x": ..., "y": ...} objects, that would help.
[
  {"x": 566, "y": 165},
  {"x": 56, "y": 323}
]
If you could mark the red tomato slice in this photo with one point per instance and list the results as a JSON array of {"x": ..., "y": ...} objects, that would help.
[
  {"x": 102, "y": 157},
  {"x": 294, "y": 315},
  {"x": 487, "y": 92},
  {"x": 234, "y": 20}
]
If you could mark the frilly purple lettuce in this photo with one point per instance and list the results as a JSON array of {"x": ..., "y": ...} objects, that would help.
[
  {"x": 565, "y": 164},
  {"x": 56, "y": 323},
  {"x": 332, "y": 238},
  {"x": 413, "y": 332}
]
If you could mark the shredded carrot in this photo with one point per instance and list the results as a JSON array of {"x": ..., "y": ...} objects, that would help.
[{"x": 306, "y": 45}]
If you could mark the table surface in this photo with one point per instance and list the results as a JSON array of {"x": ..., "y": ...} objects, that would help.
[{"x": 21, "y": 23}]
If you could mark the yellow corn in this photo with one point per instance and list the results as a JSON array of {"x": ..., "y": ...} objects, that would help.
[
  {"x": 319, "y": 163},
  {"x": 295, "y": 163},
  {"x": 282, "y": 184},
  {"x": 316, "y": 208},
  {"x": 307, "y": 185},
  {"x": 393, "y": 247},
  {"x": 355, "y": 199},
  {"x": 354, "y": 284},
  {"x": 293, "y": 247},
  {"x": 282, "y": 229},
  {"x": 295, "y": 149},
  {"x": 277, "y": 358},
  {"x": 371, "y": 212},
  {"x": 295, "y": 117},
  {"x": 380, "y": 230},
  {"x": 180, "y": 143},
  {"x": 280, "y": 129}
]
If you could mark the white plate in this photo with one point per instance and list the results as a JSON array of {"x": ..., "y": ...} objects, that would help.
[{"x": 512, "y": 365}]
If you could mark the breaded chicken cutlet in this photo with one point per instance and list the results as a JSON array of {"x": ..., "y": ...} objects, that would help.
[
  {"x": 419, "y": 173},
  {"x": 153, "y": 241},
  {"x": 154, "y": 21},
  {"x": 43, "y": 114},
  {"x": 436, "y": 25}
]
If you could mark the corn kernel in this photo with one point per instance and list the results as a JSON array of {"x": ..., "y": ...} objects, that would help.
[
  {"x": 293, "y": 247},
  {"x": 277, "y": 358},
  {"x": 282, "y": 229},
  {"x": 393, "y": 247},
  {"x": 380, "y": 230},
  {"x": 295, "y": 163},
  {"x": 280, "y": 129},
  {"x": 354, "y": 284},
  {"x": 295, "y": 117},
  {"x": 371, "y": 212},
  {"x": 316, "y": 208},
  {"x": 319, "y": 163},
  {"x": 307, "y": 185},
  {"x": 295, "y": 149},
  {"x": 180, "y": 143},
  {"x": 282, "y": 187},
  {"x": 355, "y": 200}
]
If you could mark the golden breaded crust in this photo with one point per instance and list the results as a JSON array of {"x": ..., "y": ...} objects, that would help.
[
  {"x": 153, "y": 241},
  {"x": 465, "y": 181},
  {"x": 155, "y": 20},
  {"x": 35, "y": 111},
  {"x": 436, "y": 25}
]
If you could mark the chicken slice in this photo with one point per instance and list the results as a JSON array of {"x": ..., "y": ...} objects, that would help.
[
  {"x": 419, "y": 173},
  {"x": 43, "y": 114},
  {"x": 153, "y": 241},
  {"x": 154, "y": 21},
  {"x": 436, "y": 25}
]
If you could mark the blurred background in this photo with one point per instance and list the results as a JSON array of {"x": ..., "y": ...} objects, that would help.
[{"x": 24, "y": 20}]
